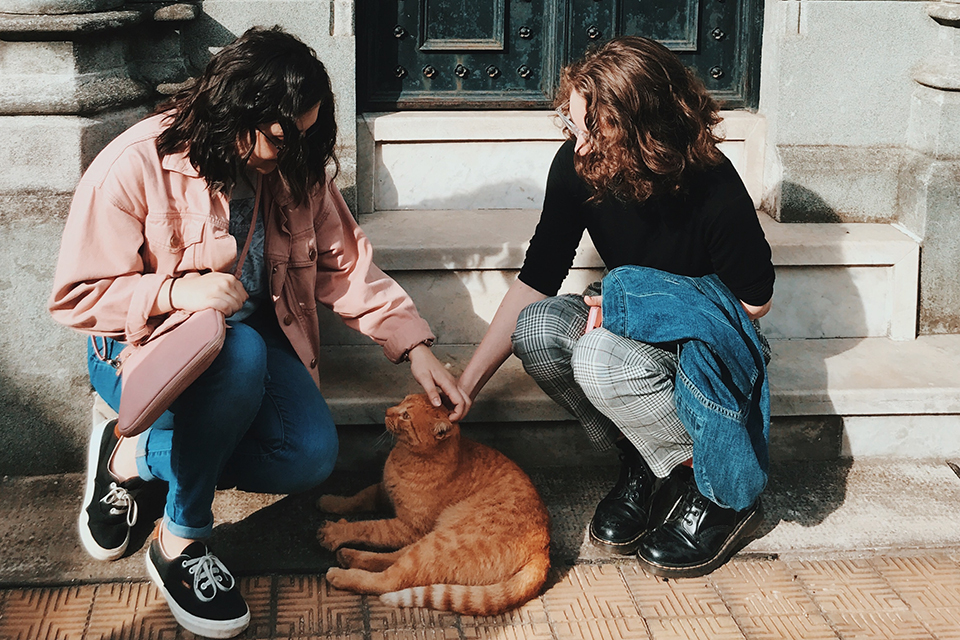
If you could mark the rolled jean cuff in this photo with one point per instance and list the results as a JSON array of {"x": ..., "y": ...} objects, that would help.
[
  {"x": 143, "y": 469},
  {"x": 190, "y": 533}
]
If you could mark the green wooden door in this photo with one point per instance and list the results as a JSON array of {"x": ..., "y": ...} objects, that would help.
[{"x": 489, "y": 54}]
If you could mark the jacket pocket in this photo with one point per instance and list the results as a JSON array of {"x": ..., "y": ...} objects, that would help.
[
  {"x": 187, "y": 242},
  {"x": 173, "y": 233}
]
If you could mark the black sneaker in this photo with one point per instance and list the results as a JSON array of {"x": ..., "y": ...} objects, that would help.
[
  {"x": 201, "y": 593},
  {"x": 109, "y": 508}
]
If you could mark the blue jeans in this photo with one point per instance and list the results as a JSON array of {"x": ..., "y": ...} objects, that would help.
[{"x": 254, "y": 419}]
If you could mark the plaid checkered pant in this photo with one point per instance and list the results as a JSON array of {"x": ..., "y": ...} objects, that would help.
[{"x": 611, "y": 384}]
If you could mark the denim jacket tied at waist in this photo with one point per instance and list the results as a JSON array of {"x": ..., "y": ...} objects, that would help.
[{"x": 722, "y": 394}]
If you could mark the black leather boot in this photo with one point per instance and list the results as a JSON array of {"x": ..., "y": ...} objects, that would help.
[
  {"x": 623, "y": 515},
  {"x": 697, "y": 536}
]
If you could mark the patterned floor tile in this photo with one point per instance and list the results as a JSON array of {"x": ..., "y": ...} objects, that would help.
[
  {"x": 307, "y": 606},
  {"x": 46, "y": 614},
  {"x": 416, "y": 634},
  {"x": 385, "y": 617},
  {"x": 133, "y": 610},
  {"x": 846, "y": 585},
  {"x": 717, "y": 628},
  {"x": 620, "y": 629},
  {"x": 795, "y": 627},
  {"x": 673, "y": 598},
  {"x": 531, "y": 613},
  {"x": 508, "y": 632},
  {"x": 944, "y": 623},
  {"x": 928, "y": 582},
  {"x": 257, "y": 592},
  {"x": 589, "y": 592},
  {"x": 898, "y": 625},
  {"x": 751, "y": 588}
]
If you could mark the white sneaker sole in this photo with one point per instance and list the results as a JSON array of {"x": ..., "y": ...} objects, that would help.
[
  {"x": 190, "y": 622},
  {"x": 89, "y": 543}
]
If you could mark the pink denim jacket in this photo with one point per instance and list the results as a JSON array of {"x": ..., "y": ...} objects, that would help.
[{"x": 137, "y": 220}]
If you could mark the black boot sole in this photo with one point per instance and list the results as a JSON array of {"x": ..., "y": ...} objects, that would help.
[
  {"x": 733, "y": 542},
  {"x": 618, "y": 548}
]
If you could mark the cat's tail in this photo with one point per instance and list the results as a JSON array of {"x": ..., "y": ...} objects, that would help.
[{"x": 480, "y": 600}]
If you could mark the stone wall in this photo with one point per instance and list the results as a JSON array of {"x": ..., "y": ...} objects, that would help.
[{"x": 835, "y": 86}]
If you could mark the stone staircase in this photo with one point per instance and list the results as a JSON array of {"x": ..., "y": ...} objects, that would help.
[{"x": 449, "y": 201}]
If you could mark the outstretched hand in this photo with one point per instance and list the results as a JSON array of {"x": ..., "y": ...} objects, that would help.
[{"x": 431, "y": 375}]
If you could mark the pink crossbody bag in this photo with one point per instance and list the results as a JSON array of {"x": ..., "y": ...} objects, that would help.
[{"x": 155, "y": 373}]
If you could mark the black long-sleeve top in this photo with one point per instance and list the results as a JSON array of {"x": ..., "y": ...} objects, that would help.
[{"x": 710, "y": 227}]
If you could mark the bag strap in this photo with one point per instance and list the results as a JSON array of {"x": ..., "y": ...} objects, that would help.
[
  {"x": 253, "y": 225},
  {"x": 243, "y": 256}
]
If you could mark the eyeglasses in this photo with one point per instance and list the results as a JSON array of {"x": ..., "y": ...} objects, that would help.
[
  {"x": 277, "y": 143},
  {"x": 569, "y": 124}
]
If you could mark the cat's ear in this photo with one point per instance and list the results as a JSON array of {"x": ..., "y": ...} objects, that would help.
[{"x": 442, "y": 429}]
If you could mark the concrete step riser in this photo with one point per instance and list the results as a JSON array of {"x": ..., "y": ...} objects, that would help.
[
  {"x": 810, "y": 302},
  {"x": 498, "y": 159}
]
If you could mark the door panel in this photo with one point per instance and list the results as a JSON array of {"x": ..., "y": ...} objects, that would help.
[
  {"x": 428, "y": 54},
  {"x": 462, "y": 25}
]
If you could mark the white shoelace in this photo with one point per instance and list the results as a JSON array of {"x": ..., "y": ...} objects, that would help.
[
  {"x": 120, "y": 500},
  {"x": 208, "y": 571}
]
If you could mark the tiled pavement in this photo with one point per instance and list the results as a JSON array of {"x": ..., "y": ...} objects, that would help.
[{"x": 902, "y": 596}]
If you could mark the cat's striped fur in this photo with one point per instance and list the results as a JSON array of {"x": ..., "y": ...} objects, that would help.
[{"x": 471, "y": 532}]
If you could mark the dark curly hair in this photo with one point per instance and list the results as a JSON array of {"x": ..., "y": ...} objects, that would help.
[
  {"x": 648, "y": 119},
  {"x": 262, "y": 77}
]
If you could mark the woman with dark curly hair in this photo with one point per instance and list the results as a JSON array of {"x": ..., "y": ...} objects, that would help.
[
  {"x": 641, "y": 173},
  {"x": 158, "y": 225}
]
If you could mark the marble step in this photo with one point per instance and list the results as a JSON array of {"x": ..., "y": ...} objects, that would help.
[
  {"x": 867, "y": 397},
  {"x": 833, "y": 280}
]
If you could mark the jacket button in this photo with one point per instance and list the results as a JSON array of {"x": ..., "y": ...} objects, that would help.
[
  {"x": 313, "y": 254},
  {"x": 313, "y": 363},
  {"x": 288, "y": 319},
  {"x": 274, "y": 270}
]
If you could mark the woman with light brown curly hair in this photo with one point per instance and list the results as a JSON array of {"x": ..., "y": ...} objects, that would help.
[{"x": 642, "y": 174}]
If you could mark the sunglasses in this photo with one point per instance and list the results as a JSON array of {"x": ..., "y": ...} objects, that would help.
[{"x": 276, "y": 142}]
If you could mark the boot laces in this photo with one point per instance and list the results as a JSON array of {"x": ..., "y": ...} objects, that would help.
[
  {"x": 120, "y": 502},
  {"x": 209, "y": 576},
  {"x": 691, "y": 507}
]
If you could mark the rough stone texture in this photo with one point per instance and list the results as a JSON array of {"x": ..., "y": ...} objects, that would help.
[
  {"x": 40, "y": 7},
  {"x": 42, "y": 371},
  {"x": 935, "y": 186},
  {"x": 66, "y": 77},
  {"x": 929, "y": 187},
  {"x": 70, "y": 25},
  {"x": 839, "y": 184},
  {"x": 49, "y": 153},
  {"x": 837, "y": 101},
  {"x": 836, "y": 84}
]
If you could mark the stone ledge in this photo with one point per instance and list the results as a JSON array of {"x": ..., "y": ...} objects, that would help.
[
  {"x": 497, "y": 239},
  {"x": 838, "y": 377},
  {"x": 68, "y": 26}
]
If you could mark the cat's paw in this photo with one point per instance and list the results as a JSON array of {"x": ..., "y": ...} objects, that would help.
[
  {"x": 330, "y": 504},
  {"x": 333, "y": 534},
  {"x": 336, "y": 577},
  {"x": 347, "y": 557}
]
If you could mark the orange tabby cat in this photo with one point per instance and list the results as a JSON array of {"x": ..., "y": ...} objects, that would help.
[{"x": 472, "y": 532}]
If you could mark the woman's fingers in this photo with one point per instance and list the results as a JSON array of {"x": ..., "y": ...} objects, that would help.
[{"x": 214, "y": 290}]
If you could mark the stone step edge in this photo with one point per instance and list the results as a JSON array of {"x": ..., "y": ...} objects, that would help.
[
  {"x": 829, "y": 377},
  {"x": 415, "y": 240}
]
